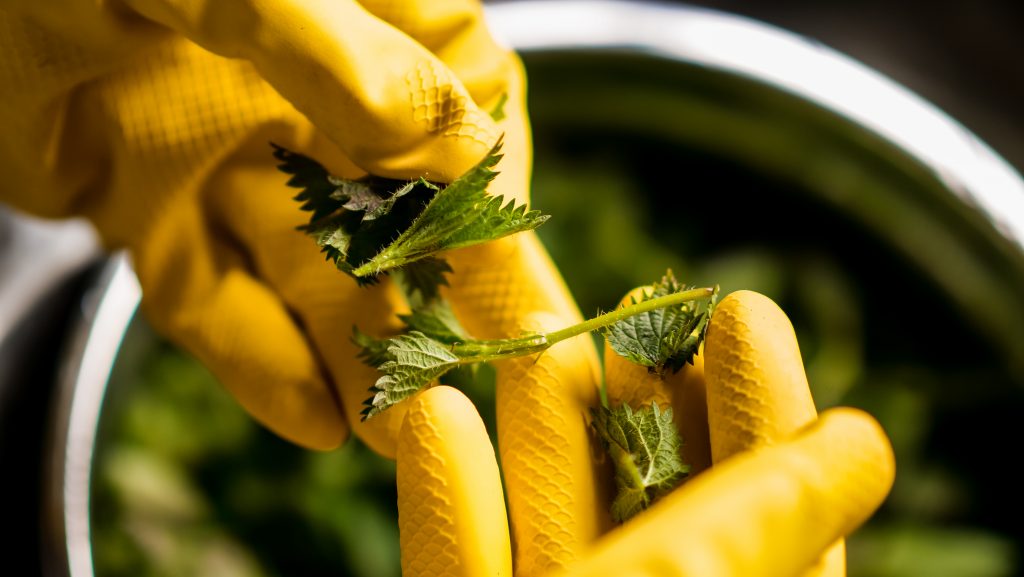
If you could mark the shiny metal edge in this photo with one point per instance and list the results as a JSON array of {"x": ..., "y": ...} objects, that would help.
[
  {"x": 37, "y": 255},
  {"x": 106, "y": 312},
  {"x": 795, "y": 64}
]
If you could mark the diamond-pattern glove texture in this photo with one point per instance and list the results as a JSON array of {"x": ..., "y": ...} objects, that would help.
[
  {"x": 757, "y": 390},
  {"x": 556, "y": 508},
  {"x": 451, "y": 512},
  {"x": 771, "y": 507}
]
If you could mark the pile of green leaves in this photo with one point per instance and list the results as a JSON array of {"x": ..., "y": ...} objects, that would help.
[{"x": 375, "y": 226}]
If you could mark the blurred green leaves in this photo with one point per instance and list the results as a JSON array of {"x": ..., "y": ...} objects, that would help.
[{"x": 188, "y": 484}]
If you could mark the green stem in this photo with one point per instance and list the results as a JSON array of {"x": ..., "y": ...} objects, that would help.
[
  {"x": 631, "y": 310},
  {"x": 624, "y": 463},
  {"x": 492, "y": 350}
]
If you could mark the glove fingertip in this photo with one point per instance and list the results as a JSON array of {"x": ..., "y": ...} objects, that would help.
[
  {"x": 450, "y": 503},
  {"x": 757, "y": 390}
]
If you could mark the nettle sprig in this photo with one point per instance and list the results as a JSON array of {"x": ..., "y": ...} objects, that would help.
[
  {"x": 373, "y": 226},
  {"x": 431, "y": 347},
  {"x": 644, "y": 443}
]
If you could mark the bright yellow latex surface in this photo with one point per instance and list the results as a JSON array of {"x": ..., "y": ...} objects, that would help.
[
  {"x": 783, "y": 489},
  {"x": 153, "y": 118}
]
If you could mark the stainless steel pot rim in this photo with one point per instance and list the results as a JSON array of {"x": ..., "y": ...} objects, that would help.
[
  {"x": 107, "y": 311},
  {"x": 798, "y": 65},
  {"x": 732, "y": 44}
]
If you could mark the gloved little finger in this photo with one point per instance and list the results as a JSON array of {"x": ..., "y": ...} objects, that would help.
[
  {"x": 197, "y": 289},
  {"x": 351, "y": 74},
  {"x": 767, "y": 513},
  {"x": 451, "y": 513}
]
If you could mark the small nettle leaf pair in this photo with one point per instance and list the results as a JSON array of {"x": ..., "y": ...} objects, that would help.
[{"x": 375, "y": 226}]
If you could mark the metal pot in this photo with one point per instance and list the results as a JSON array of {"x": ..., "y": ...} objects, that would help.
[{"x": 778, "y": 104}]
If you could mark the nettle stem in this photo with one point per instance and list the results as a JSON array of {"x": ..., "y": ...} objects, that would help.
[{"x": 479, "y": 351}]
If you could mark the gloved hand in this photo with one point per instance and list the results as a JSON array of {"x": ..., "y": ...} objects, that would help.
[
  {"x": 783, "y": 489},
  {"x": 153, "y": 118}
]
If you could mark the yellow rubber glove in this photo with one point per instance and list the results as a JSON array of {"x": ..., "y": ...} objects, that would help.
[
  {"x": 782, "y": 490},
  {"x": 153, "y": 118}
]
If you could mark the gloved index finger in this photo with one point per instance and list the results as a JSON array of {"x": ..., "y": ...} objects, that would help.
[{"x": 388, "y": 103}]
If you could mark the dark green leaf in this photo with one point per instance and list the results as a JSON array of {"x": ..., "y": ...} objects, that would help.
[
  {"x": 375, "y": 204},
  {"x": 352, "y": 220},
  {"x": 422, "y": 280},
  {"x": 334, "y": 237},
  {"x": 665, "y": 338},
  {"x": 414, "y": 360},
  {"x": 373, "y": 225},
  {"x": 318, "y": 186},
  {"x": 374, "y": 351},
  {"x": 361, "y": 196},
  {"x": 644, "y": 446},
  {"x": 462, "y": 214},
  {"x": 495, "y": 221}
]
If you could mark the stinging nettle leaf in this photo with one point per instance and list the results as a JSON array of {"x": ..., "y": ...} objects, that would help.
[
  {"x": 461, "y": 214},
  {"x": 334, "y": 237},
  {"x": 373, "y": 225},
  {"x": 352, "y": 220},
  {"x": 374, "y": 351},
  {"x": 644, "y": 446},
  {"x": 360, "y": 196},
  {"x": 495, "y": 221},
  {"x": 449, "y": 210},
  {"x": 377, "y": 205},
  {"x": 414, "y": 360},
  {"x": 665, "y": 338},
  {"x": 318, "y": 186},
  {"x": 421, "y": 281}
]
